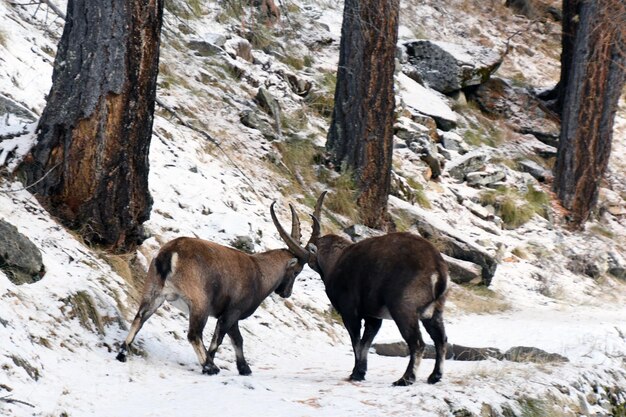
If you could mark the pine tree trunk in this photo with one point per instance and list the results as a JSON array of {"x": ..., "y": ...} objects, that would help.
[
  {"x": 90, "y": 164},
  {"x": 570, "y": 26},
  {"x": 594, "y": 85},
  {"x": 361, "y": 132}
]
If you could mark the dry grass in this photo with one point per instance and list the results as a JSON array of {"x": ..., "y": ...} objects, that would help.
[
  {"x": 84, "y": 309},
  {"x": 515, "y": 208},
  {"x": 477, "y": 299},
  {"x": 343, "y": 198}
]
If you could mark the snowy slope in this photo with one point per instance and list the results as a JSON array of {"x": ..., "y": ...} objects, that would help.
[{"x": 62, "y": 361}]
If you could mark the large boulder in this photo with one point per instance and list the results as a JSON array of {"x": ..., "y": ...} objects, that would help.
[
  {"x": 522, "y": 110},
  {"x": 421, "y": 100},
  {"x": 20, "y": 259},
  {"x": 447, "y": 67},
  {"x": 208, "y": 44},
  {"x": 458, "y": 246},
  {"x": 255, "y": 120},
  {"x": 463, "y": 272},
  {"x": 358, "y": 232}
]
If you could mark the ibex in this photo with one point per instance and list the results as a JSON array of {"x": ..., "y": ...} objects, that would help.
[
  {"x": 397, "y": 276},
  {"x": 207, "y": 279}
]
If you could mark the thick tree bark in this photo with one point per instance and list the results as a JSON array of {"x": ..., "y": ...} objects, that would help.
[
  {"x": 361, "y": 132},
  {"x": 570, "y": 26},
  {"x": 594, "y": 85},
  {"x": 90, "y": 164}
]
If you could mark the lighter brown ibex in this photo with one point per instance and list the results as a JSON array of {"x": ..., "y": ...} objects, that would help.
[
  {"x": 209, "y": 279},
  {"x": 397, "y": 276}
]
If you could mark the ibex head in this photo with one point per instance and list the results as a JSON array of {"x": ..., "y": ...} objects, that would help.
[
  {"x": 291, "y": 272},
  {"x": 306, "y": 254}
]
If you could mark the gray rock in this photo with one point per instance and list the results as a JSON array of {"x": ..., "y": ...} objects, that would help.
[
  {"x": 484, "y": 178},
  {"x": 422, "y": 100},
  {"x": 244, "y": 243},
  {"x": 458, "y": 247},
  {"x": 470, "y": 162},
  {"x": 203, "y": 48},
  {"x": 255, "y": 121},
  {"x": 463, "y": 272},
  {"x": 544, "y": 151},
  {"x": 358, "y": 232},
  {"x": 453, "y": 352},
  {"x": 445, "y": 152},
  {"x": 10, "y": 106},
  {"x": 396, "y": 349},
  {"x": 20, "y": 259},
  {"x": 447, "y": 67},
  {"x": 522, "y": 110},
  {"x": 426, "y": 122},
  {"x": 532, "y": 354},
  {"x": 617, "y": 265},
  {"x": 483, "y": 212},
  {"x": 454, "y": 142},
  {"x": 593, "y": 265},
  {"x": 267, "y": 102},
  {"x": 537, "y": 171}
]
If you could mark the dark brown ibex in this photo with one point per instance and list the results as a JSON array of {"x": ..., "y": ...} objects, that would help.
[
  {"x": 397, "y": 276},
  {"x": 208, "y": 279}
]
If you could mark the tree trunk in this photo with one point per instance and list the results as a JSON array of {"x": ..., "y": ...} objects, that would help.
[
  {"x": 594, "y": 84},
  {"x": 90, "y": 164},
  {"x": 361, "y": 132},
  {"x": 568, "y": 36}
]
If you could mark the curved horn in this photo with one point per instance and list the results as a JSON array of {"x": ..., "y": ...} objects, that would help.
[
  {"x": 293, "y": 246},
  {"x": 318, "y": 206},
  {"x": 315, "y": 234},
  {"x": 295, "y": 225},
  {"x": 317, "y": 213}
]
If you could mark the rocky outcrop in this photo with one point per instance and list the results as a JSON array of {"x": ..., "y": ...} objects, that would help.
[
  {"x": 256, "y": 121},
  {"x": 617, "y": 265},
  {"x": 267, "y": 102},
  {"x": 456, "y": 246},
  {"x": 466, "y": 353},
  {"x": 358, "y": 232},
  {"x": 421, "y": 100},
  {"x": 463, "y": 272},
  {"x": 20, "y": 259},
  {"x": 470, "y": 162},
  {"x": 210, "y": 44},
  {"x": 537, "y": 171},
  {"x": 446, "y": 67},
  {"x": 523, "y": 112},
  {"x": 485, "y": 178}
]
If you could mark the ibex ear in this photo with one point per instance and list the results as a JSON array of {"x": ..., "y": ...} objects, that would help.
[
  {"x": 312, "y": 248},
  {"x": 292, "y": 262}
]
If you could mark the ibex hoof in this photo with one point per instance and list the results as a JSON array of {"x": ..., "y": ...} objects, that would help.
[
  {"x": 434, "y": 378},
  {"x": 356, "y": 376},
  {"x": 121, "y": 357},
  {"x": 244, "y": 370},
  {"x": 403, "y": 382},
  {"x": 210, "y": 369}
]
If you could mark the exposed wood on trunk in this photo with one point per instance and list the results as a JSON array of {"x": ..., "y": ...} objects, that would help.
[
  {"x": 361, "y": 133},
  {"x": 595, "y": 82},
  {"x": 97, "y": 124}
]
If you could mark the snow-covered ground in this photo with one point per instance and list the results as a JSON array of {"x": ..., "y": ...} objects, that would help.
[{"x": 62, "y": 361}]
